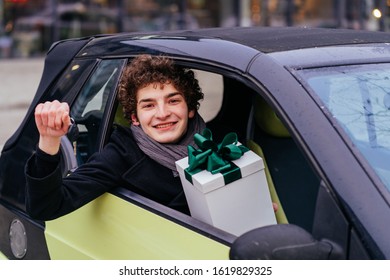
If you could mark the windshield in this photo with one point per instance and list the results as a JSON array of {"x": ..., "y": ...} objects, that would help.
[{"x": 358, "y": 97}]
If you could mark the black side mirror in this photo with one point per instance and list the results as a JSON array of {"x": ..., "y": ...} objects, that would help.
[{"x": 282, "y": 242}]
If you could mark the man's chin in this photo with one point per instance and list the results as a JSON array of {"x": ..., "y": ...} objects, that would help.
[{"x": 167, "y": 140}]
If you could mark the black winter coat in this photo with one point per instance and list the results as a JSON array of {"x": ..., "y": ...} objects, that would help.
[{"x": 120, "y": 164}]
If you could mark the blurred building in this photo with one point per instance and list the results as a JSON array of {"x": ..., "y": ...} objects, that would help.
[{"x": 31, "y": 26}]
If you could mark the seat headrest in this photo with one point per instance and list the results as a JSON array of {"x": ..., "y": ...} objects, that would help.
[
  {"x": 267, "y": 120},
  {"x": 120, "y": 118}
]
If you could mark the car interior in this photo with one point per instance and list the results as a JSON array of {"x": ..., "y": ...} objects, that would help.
[{"x": 294, "y": 181}]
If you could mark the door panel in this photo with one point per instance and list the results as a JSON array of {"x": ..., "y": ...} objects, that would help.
[{"x": 112, "y": 228}]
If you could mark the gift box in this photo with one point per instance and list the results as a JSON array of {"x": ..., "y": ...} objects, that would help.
[{"x": 233, "y": 194}]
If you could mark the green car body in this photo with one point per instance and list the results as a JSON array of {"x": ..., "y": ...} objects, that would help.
[{"x": 111, "y": 228}]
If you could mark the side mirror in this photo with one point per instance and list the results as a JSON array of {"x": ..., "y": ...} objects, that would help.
[{"x": 282, "y": 242}]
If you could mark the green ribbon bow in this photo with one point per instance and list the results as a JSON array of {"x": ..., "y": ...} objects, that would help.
[{"x": 215, "y": 158}]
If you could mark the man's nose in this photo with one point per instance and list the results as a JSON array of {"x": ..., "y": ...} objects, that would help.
[{"x": 162, "y": 111}]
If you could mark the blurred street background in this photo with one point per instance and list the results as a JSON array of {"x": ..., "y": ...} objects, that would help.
[
  {"x": 29, "y": 27},
  {"x": 19, "y": 81}
]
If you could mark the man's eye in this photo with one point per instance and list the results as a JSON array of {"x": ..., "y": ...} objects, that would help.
[
  {"x": 147, "y": 106},
  {"x": 174, "y": 101}
]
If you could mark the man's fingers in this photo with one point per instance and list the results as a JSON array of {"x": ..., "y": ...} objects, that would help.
[
  {"x": 52, "y": 115},
  {"x": 38, "y": 116},
  {"x": 66, "y": 122},
  {"x": 61, "y": 117}
]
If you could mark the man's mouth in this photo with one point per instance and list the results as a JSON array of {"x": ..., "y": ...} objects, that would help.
[{"x": 164, "y": 125}]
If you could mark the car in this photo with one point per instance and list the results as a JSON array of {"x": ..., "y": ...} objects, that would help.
[{"x": 313, "y": 103}]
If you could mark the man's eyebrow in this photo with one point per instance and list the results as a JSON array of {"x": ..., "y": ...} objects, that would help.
[
  {"x": 145, "y": 100},
  {"x": 169, "y": 95},
  {"x": 173, "y": 94}
]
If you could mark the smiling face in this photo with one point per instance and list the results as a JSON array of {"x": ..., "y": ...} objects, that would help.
[{"x": 162, "y": 112}]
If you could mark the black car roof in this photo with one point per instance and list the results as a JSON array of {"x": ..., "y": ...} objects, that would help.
[
  {"x": 263, "y": 39},
  {"x": 274, "y": 39}
]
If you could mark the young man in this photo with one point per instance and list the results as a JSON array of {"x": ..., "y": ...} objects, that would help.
[{"x": 161, "y": 101}]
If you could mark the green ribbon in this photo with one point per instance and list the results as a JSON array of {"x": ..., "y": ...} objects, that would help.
[{"x": 215, "y": 158}]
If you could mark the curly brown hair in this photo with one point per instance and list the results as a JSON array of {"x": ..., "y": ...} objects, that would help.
[{"x": 145, "y": 70}]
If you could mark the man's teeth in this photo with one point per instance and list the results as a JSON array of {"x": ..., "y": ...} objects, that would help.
[{"x": 164, "y": 125}]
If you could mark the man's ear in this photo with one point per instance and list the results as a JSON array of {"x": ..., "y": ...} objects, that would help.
[
  {"x": 191, "y": 114},
  {"x": 134, "y": 119}
]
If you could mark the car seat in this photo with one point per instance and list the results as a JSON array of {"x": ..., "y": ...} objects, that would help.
[
  {"x": 119, "y": 118},
  {"x": 264, "y": 117},
  {"x": 290, "y": 175}
]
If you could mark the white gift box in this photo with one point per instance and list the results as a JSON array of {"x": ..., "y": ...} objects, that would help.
[{"x": 236, "y": 207}]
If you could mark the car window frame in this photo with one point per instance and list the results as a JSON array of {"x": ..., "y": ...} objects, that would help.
[{"x": 69, "y": 161}]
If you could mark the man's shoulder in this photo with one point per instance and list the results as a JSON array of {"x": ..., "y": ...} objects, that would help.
[
  {"x": 121, "y": 130},
  {"x": 123, "y": 136}
]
